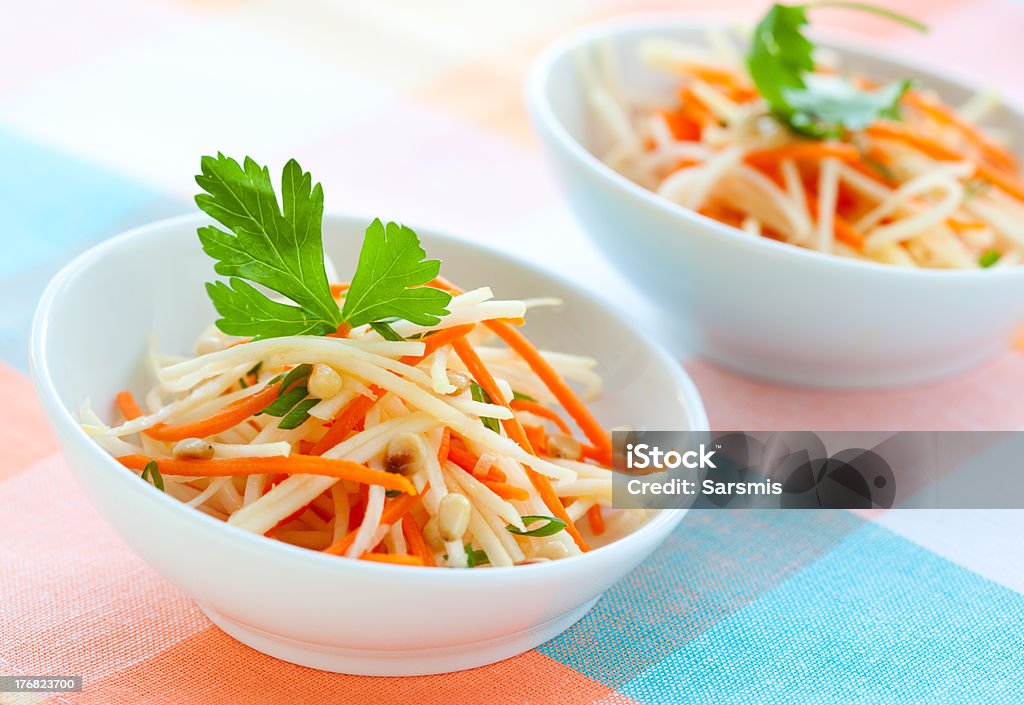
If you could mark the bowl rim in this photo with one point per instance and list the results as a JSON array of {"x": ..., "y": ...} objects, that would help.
[
  {"x": 664, "y": 24},
  {"x": 63, "y": 421}
]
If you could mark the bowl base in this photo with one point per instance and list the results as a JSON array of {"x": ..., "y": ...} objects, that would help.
[
  {"x": 838, "y": 376},
  {"x": 407, "y": 662}
]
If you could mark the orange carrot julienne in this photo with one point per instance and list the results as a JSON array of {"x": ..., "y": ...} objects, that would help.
[
  {"x": 468, "y": 461},
  {"x": 339, "y": 289},
  {"x": 507, "y": 491},
  {"x": 483, "y": 377},
  {"x": 554, "y": 382},
  {"x": 230, "y": 416},
  {"x": 414, "y": 539},
  {"x": 804, "y": 151},
  {"x": 995, "y": 153},
  {"x": 902, "y": 133},
  {"x": 346, "y": 420},
  {"x": 291, "y": 465},
  {"x": 128, "y": 406},
  {"x": 538, "y": 438},
  {"x": 681, "y": 125},
  {"x": 596, "y": 520},
  {"x": 445, "y": 446},
  {"x": 1010, "y": 183},
  {"x": 515, "y": 431},
  {"x": 392, "y": 558},
  {"x": 542, "y": 411},
  {"x": 438, "y": 340},
  {"x": 394, "y": 510}
]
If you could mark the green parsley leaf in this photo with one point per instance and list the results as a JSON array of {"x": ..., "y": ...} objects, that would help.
[
  {"x": 520, "y": 395},
  {"x": 781, "y": 64},
  {"x": 829, "y": 106},
  {"x": 988, "y": 258},
  {"x": 553, "y": 526},
  {"x": 389, "y": 279},
  {"x": 278, "y": 246},
  {"x": 151, "y": 473},
  {"x": 479, "y": 394}
]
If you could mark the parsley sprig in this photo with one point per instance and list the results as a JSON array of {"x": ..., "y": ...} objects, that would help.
[
  {"x": 781, "y": 64},
  {"x": 279, "y": 246}
]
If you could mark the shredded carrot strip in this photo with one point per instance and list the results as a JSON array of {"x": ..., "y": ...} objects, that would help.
[
  {"x": 339, "y": 289},
  {"x": 681, "y": 125},
  {"x": 596, "y": 520},
  {"x": 394, "y": 510},
  {"x": 392, "y": 558},
  {"x": 414, "y": 538},
  {"x": 1009, "y": 183},
  {"x": 515, "y": 431},
  {"x": 445, "y": 447},
  {"x": 228, "y": 417},
  {"x": 128, "y": 406},
  {"x": 960, "y": 223},
  {"x": 468, "y": 461},
  {"x": 346, "y": 420},
  {"x": 538, "y": 439},
  {"x": 723, "y": 79},
  {"x": 507, "y": 491},
  {"x": 436, "y": 341},
  {"x": 694, "y": 108},
  {"x": 291, "y": 465},
  {"x": 542, "y": 411},
  {"x": 592, "y": 453},
  {"x": 995, "y": 153},
  {"x": 554, "y": 382},
  {"x": 804, "y": 151},
  {"x": 841, "y": 228}
]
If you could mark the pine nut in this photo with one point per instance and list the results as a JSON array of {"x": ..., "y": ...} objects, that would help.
[
  {"x": 553, "y": 550},
  {"x": 405, "y": 454},
  {"x": 460, "y": 381},
  {"x": 193, "y": 449},
  {"x": 324, "y": 382},
  {"x": 453, "y": 516},
  {"x": 565, "y": 447},
  {"x": 432, "y": 536}
]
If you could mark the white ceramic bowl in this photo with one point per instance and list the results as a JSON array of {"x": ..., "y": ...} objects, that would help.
[
  {"x": 89, "y": 340},
  {"x": 764, "y": 307}
]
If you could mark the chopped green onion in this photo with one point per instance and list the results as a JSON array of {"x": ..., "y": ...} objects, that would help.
[
  {"x": 287, "y": 401},
  {"x": 475, "y": 558},
  {"x": 479, "y": 394},
  {"x": 296, "y": 374},
  {"x": 298, "y": 414},
  {"x": 520, "y": 395},
  {"x": 386, "y": 331},
  {"x": 151, "y": 473},
  {"x": 988, "y": 258},
  {"x": 553, "y": 526}
]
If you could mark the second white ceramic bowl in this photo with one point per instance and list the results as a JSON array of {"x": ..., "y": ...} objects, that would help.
[
  {"x": 764, "y": 307},
  {"x": 90, "y": 339}
]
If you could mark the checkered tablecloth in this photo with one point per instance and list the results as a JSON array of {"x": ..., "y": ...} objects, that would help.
[{"x": 413, "y": 111}]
